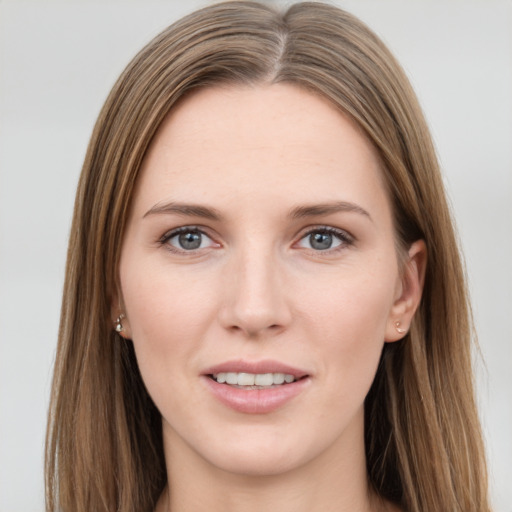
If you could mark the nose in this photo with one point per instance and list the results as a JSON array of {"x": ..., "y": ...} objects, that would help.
[{"x": 254, "y": 302}]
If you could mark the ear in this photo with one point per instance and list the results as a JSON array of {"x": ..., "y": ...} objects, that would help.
[
  {"x": 119, "y": 316},
  {"x": 408, "y": 292}
]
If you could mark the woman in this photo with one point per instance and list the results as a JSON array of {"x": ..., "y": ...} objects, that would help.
[{"x": 264, "y": 300}]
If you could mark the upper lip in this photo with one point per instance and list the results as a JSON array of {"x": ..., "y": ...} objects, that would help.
[{"x": 263, "y": 366}]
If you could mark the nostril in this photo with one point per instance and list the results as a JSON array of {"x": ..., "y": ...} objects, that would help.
[{"x": 253, "y": 331}]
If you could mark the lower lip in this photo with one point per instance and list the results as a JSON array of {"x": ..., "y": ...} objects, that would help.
[{"x": 255, "y": 401}]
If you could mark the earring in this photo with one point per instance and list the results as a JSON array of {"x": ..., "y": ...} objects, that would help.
[
  {"x": 119, "y": 325},
  {"x": 398, "y": 328}
]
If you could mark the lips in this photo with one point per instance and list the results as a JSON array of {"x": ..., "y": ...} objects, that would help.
[
  {"x": 255, "y": 387},
  {"x": 255, "y": 367},
  {"x": 253, "y": 380}
]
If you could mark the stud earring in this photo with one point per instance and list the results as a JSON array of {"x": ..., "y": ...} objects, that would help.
[
  {"x": 119, "y": 325},
  {"x": 398, "y": 328}
]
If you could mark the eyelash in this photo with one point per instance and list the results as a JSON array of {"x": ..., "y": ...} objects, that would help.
[
  {"x": 164, "y": 240},
  {"x": 346, "y": 240}
]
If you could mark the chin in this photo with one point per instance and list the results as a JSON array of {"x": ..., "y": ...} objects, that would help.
[
  {"x": 256, "y": 463},
  {"x": 248, "y": 450},
  {"x": 260, "y": 451}
]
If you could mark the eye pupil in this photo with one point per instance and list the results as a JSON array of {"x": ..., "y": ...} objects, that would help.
[
  {"x": 190, "y": 240},
  {"x": 320, "y": 241}
]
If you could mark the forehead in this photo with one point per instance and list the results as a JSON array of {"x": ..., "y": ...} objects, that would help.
[{"x": 260, "y": 141}]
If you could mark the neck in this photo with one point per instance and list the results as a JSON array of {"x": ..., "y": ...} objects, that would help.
[{"x": 334, "y": 481}]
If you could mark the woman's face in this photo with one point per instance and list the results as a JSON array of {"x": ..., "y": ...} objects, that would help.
[{"x": 260, "y": 249}]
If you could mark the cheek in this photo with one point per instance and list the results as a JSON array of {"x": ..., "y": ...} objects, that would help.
[
  {"x": 348, "y": 321},
  {"x": 168, "y": 315},
  {"x": 157, "y": 296},
  {"x": 356, "y": 303}
]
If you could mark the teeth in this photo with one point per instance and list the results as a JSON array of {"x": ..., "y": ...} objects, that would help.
[
  {"x": 279, "y": 378},
  {"x": 253, "y": 379},
  {"x": 232, "y": 378},
  {"x": 264, "y": 379},
  {"x": 245, "y": 379}
]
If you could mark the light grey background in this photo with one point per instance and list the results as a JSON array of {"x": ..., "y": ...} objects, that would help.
[{"x": 57, "y": 62}]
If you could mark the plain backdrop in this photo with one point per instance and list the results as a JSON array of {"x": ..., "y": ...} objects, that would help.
[{"x": 58, "y": 61}]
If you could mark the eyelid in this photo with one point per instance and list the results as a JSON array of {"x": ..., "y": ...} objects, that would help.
[
  {"x": 346, "y": 239},
  {"x": 164, "y": 239},
  {"x": 343, "y": 235}
]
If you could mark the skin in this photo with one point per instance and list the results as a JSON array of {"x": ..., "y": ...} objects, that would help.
[{"x": 258, "y": 289}]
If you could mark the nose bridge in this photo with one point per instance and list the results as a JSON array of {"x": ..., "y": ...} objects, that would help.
[{"x": 255, "y": 300}]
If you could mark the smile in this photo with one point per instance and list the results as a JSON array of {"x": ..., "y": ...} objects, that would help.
[
  {"x": 255, "y": 387},
  {"x": 253, "y": 380}
]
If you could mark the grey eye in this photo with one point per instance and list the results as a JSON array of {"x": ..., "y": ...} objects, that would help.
[
  {"x": 190, "y": 241},
  {"x": 321, "y": 241}
]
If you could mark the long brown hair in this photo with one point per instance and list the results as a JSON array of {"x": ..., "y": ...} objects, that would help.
[{"x": 423, "y": 442}]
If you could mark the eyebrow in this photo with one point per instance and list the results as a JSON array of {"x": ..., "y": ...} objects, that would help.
[
  {"x": 186, "y": 210},
  {"x": 299, "y": 212},
  {"x": 327, "y": 209}
]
